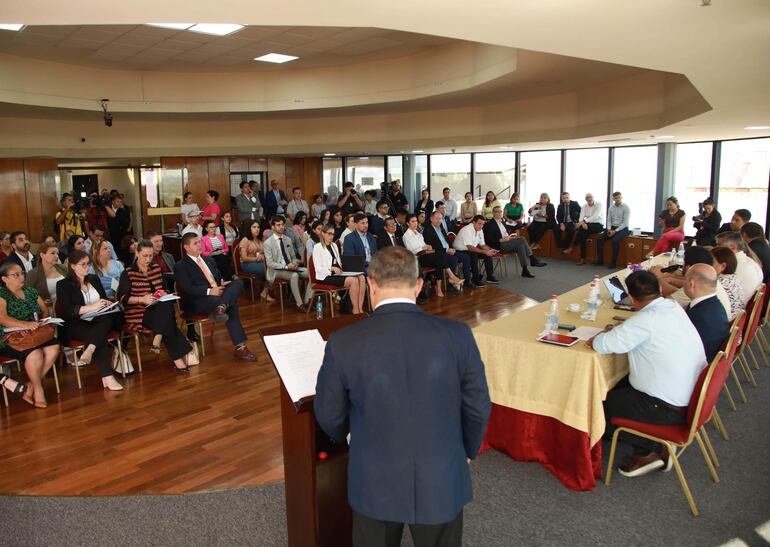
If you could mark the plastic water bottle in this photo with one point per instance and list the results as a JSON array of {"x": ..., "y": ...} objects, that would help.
[
  {"x": 680, "y": 254},
  {"x": 319, "y": 309},
  {"x": 593, "y": 300},
  {"x": 552, "y": 317},
  {"x": 672, "y": 257}
]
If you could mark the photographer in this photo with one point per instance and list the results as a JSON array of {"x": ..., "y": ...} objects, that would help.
[
  {"x": 99, "y": 212},
  {"x": 69, "y": 220},
  {"x": 707, "y": 223},
  {"x": 350, "y": 202},
  {"x": 398, "y": 201}
]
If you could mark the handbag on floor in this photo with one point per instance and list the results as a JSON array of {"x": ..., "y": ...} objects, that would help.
[
  {"x": 121, "y": 362},
  {"x": 193, "y": 358}
]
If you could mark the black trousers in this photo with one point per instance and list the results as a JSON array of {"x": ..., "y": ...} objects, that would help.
[
  {"x": 95, "y": 332},
  {"x": 224, "y": 265},
  {"x": 161, "y": 319},
  {"x": 229, "y": 298},
  {"x": 489, "y": 266},
  {"x": 433, "y": 260},
  {"x": 615, "y": 242},
  {"x": 626, "y": 402},
  {"x": 368, "y": 532},
  {"x": 564, "y": 239},
  {"x": 537, "y": 229},
  {"x": 582, "y": 236}
]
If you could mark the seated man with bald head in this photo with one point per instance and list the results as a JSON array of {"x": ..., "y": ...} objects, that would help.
[{"x": 705, "y": 310}]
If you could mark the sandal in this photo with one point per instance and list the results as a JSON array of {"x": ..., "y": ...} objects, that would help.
[
  {"x": 155, "y": 350},
  {"x": 18, "y": 390}
]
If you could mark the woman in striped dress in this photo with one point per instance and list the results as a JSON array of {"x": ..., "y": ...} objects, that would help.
[{"x": 138, "y": 283}]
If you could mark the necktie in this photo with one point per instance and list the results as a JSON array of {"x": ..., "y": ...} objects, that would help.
[
  {"x": 283, "y": 252},
  {"x": 206, "y": 272},
  {"x": 393, "y": 240}
]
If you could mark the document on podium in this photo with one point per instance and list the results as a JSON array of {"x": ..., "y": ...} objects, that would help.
[{"x": 297, "y": 357}]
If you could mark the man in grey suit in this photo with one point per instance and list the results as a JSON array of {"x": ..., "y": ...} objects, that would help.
[
  {"x": 249, "y": 207},
  {"x": 282, "y": 261},
  {"x": 416, "y": 419}
]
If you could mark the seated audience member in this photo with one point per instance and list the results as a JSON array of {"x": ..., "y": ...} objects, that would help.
[
  {"x": 452, "y": 209},
  {"x": 618, "y": 217},
  {"x": 468, "y": 209},
  {"x": 421, "y": 220},
  {"x": 5, "y": 245},
  {"x": 707, "y": 224},
  {"x": 496, "y": 236},
  {"x": 543, "y": 219},
  {"x": 300, "y": 226},
  {"x": 68, "y": 220},
  {"x": 350, "y": 227},
  {"x": 81, "y": 293},
  {"x": 567, "y": 218},
  {"x": 49, "y": 238},
  {"x": 739, "y": 218},
  {"x": 296, "y": 204},
  {"x": 514, "y": 212},
  {"x": 104, "y": 267},
  {"x": 665, "y": 357},
  {"x": 282, "y": 261},
  {"x": 725, "y": 264},
  {"x": 95, "y": 231},
  {"x": 193, "y": 224},
  {"x": 165, "y": 262},
  {"x": 21, "y": 255},
  {"x": 138, "y": 284},
  {"x": 425, "y": 203},
  {"x": 490, "y": 202},
  {"x": 227, "y": 229},
  {"x": 328, "y": 269},
  {"x": 214, "y": 246},
  {"x": 205, "y": 291},
  {"x": 591, "y": 222},
  {"x": 337, "y": 220},
  {"x": 360, "y": 242},
  {"x": 390, "y": 236},
  {"x": 705, "y": 310},
  {"x": 370, "y": 203},
  {"x": 314, "y": 236},
  {"x": 21, "y": 306},
  {"x": 428, "y": 257},
  {"x": 318, "y": 206},
  {"x": 400, "y": 222},
  {"x": 127, "y": 254},
  {"x": 73, "y": 243},
  {"x": 446, "y": 224},
  {"x": 377, "y": 221},
  {"x": 252, "y": 254},
  {"x": 754, "y": 237},
  {"x": 48, "y": 272},
  {"x": 748, "y": 271},
  {"x": 470, "y": 239},
  {"x": 437, "y": 237},
  {"x": 672, "y": 220}
]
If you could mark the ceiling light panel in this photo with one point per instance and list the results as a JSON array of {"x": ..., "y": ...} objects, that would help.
[
  {"x": 11, "y": 26},
  {"x": 176, "y": 26},
  {"x": 276, "y": 58},
  {"x": 216, "y": 29}
]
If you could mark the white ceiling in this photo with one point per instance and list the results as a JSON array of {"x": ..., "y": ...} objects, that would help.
[{"x": 153, "y": 48}]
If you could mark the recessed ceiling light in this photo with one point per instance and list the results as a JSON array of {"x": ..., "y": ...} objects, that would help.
[
  {"x": 215, "y": 29},
  {"x": 11, "y": 26},
  {"x": 329, "y": 154},
  {"x": 175, "y": 26},
  {"x": 664, "y": 136},
  {"x": 757, "y": 127},
  {"x": 506, "y": 147},
  {"x": 417, "y": 151},
  {"x": 276, "y": 58}
]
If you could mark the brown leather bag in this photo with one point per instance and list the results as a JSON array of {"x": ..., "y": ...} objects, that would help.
[{"x": 28, "y": 339}]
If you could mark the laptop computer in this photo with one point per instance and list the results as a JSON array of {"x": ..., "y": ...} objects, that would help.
[
  {"x": 353, "y": 263},
  {"x": 617, "y": 291}
]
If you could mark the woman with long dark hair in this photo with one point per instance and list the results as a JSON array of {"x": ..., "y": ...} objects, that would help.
[{"x": 252, "y": 253}]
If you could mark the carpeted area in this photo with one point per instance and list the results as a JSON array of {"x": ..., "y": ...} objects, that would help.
[
  {"x": 558, "y": 277},
  {"x": 515, "y": 503}
]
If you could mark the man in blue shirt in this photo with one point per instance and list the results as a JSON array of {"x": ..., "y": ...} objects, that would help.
[{"x": 360, "y": 242}]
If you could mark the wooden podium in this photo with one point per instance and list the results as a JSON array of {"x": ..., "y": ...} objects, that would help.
[{"x": 317, "y": 510}]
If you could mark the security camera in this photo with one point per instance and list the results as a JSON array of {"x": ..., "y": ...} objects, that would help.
[
  {"x": 453, "y": 150},
  {"x": 107, "y": 114}
]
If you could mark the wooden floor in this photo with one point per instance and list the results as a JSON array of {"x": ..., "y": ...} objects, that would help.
[{"x": 217, "y": 428}]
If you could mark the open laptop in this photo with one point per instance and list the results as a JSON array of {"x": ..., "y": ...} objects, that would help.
[
  {"x": 353, "y": 263},
  {"x": 617, "y": 291}
]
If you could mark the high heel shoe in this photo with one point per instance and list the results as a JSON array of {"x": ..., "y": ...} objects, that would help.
[
  {"x": 81, "y": 362},
  {"x": 180, "y": 370},
  {"x": 27, "y": 396},
  {"x": 18, "y": 390},
  {"x": 109, "y": 382},
  {"x": 155, "y": 350},
  {"x": 266, "y": 297}
]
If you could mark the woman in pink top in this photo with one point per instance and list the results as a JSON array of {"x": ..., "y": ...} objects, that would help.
[
  {"x": 215, "y": 246},
  {"x": 211, "y": 211}
]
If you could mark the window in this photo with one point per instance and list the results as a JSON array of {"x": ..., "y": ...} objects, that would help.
[
  {"x": 743, "y": 177},
  {"x": 332, "y": 179},
  {"x": 635, "y": 172},
  {"x": 451, "y": 171},
  {"x": 495, "y": 172},
  {"x": 586, "y": 173},
  {"x": 692, "y": 178},
  {"x": 366, "y": 172},
  {"x": 539, "y": 172},
  {"x": 395, "y": 168}
]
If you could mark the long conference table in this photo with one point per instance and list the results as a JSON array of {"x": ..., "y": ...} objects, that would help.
[{"x": 547, "y": 399}]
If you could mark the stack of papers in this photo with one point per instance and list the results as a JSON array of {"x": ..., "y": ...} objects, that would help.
[
  {"x": 166, "y": 298},
  {"x": 297, "y": 357},
  {"x": 46, "y": 321},
  {"x": 112, "y": 308}
]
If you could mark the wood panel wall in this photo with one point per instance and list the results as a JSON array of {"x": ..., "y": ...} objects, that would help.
[{"x": 29, "y": 189}]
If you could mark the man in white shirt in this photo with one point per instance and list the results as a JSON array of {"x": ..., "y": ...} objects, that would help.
[
  {"x": 591, "y": 222},
  {"x": 282, "y": 262},
  {"x": 748, "y": 273},
  {"x": 665, "y": 356},
  {"x": 451, "y": 207},
  {"x": 470, "y": 239},
  {"x": 193, "y": 227},
  {"x": 297, "y": 204}
]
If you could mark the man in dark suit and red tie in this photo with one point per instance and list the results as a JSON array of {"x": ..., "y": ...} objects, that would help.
[
  {"x": 203, "y": 292},
  {"x": 415, "y": 419},
  {"x": 389, "y": 236}
]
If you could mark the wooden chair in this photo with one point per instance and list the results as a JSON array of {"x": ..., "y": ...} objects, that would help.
[
  {"x": 321, "y": 288},
  {"x": 677, "y": 438},
  {"x": 242, "y": 274}
]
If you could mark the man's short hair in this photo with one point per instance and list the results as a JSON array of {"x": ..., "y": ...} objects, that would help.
[
  {"x": 151, "y": 235},
  {"x": 349, "y": 216},
  {"x": 400, "y": 212},
  {"x": 697, "y": 255},
  {"x": 277, "y": 218},
  {"x": 348, "y": 185},
  {"x": 564, "y": 194},
  {"x": 438, "y": 203},
  {"x": 436, "y": 212},
  {"x": 295, "y": 189},
  {"x": 643, "y": 285},
  {"x": 381, "y": 204},
  {"x": 242, "y": 184},
  {"x": 94, "y": 227},
  {"x": 394, "y": 267},
  {"x": 389, "y": 219},
  {"x": 752, "y": 230},
  {"x": 616, "y": 194},
  {"x": 745, "y": 214},
  {"x": 731, "y": 238},
  {"x": 446, "y": 190},
  {"x": 477, "y": 218},
  {"x": 185, "y": 238},
  {"x": 358, "y": 217},
  {"x": 496, "y": 208},
  {"x": 16, "y": 234}
]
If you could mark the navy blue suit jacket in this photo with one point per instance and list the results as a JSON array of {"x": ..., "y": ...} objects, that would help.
[
  {"x": 354, "y": 246},
  {"x": 271, "y": 204},
  {"x": 192, "y": 284},
  {"x": 414, "y": 417},
  {"x": 710, "y": 320}
]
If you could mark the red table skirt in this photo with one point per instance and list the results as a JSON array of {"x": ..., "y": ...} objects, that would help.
[{"x": 562, "y": 449}]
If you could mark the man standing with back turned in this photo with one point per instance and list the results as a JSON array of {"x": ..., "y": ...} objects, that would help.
[{"x": 415, "y": 421}]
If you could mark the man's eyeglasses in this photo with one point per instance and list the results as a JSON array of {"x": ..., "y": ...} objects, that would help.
[{"x": 17, "y": 274}]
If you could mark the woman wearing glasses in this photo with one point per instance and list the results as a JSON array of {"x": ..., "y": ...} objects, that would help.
[
  {"x": 215, "y": 246},
  {"x": 328, "y": 267}
]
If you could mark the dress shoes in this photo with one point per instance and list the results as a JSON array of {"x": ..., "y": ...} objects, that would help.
[
  {"x": 536, "y": 262},
  {"x": 244, "y": 354},
  {"x": 219, "y": 315},
  {"x": 493, "y": 280},
  {"x": 192, "y": 336},
  {"x": 526, "y": 273},
  {"x": 642, "y": 465}
]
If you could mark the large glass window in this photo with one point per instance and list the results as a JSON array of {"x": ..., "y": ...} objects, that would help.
[
  {"x": 692, "y": 178},
  {"x": 495, "y": 172},
  {"x": 743, "y": 176},
  {"x": 586, "y": 173},
  {"x": 451, "y": 171},
  {"x": 539, "y": 172},
  {"x": 635, "y": 172},
  {"x": 395, "y": 168},
  {"x": 332, "y": 179},
  {"x": 366, "y": 172}
]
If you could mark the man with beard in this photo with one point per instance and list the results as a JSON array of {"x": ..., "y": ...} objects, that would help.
[{"x": 21, "y": 254}]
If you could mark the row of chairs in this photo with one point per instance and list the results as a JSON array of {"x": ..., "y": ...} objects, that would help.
[{"x": 745, "y": 328}]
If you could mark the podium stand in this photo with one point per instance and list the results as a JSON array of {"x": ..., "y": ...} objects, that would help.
[{"x": 317, "y": 510}]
